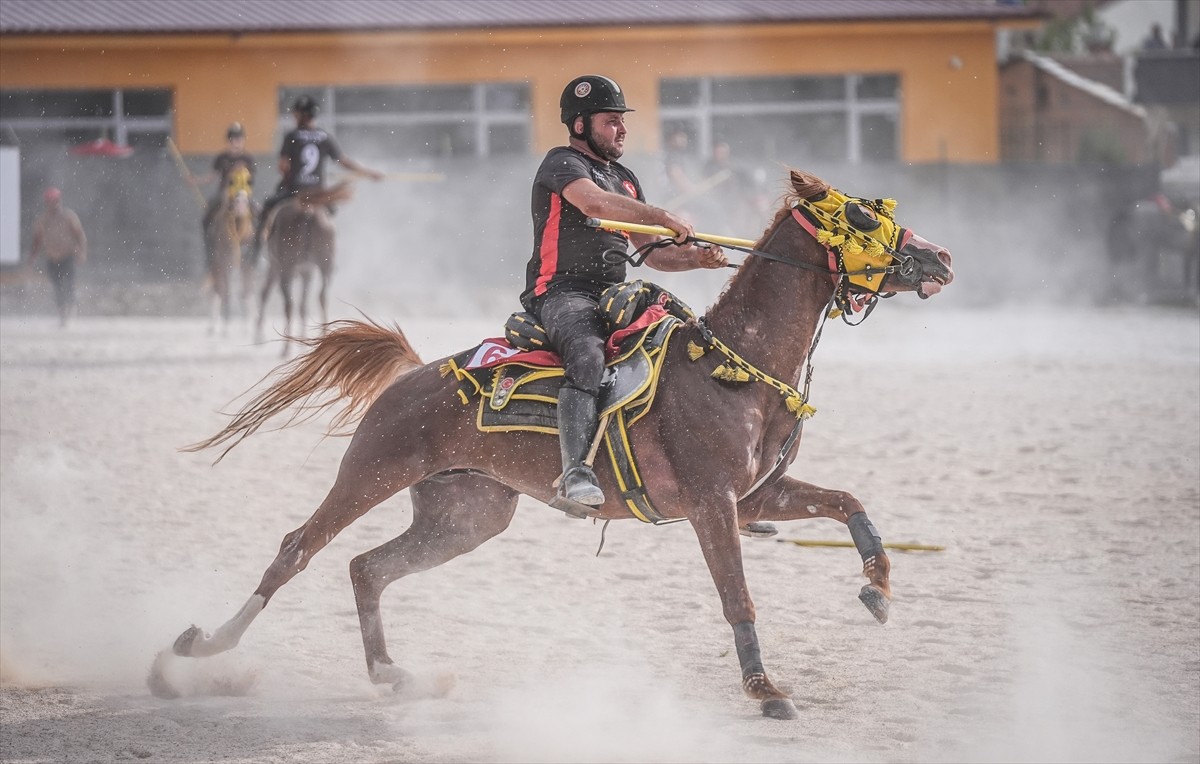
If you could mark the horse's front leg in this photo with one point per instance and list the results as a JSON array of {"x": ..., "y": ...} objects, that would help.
[
  {"x": 790, "y": 499},
  {"x": 716, "y": 528},
  {"x": 263, "y": 298}
]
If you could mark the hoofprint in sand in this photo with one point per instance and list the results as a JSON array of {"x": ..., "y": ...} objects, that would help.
[{"x": 1056, "y": 456}]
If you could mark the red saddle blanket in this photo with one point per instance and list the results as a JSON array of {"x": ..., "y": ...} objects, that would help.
[{"x": 496, "y": 350}]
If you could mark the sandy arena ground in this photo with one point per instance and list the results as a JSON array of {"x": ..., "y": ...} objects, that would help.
[{"x": 1056, "y": 456}]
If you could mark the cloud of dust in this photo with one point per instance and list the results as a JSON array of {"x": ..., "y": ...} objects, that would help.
[
  {"x": 1070, "y": 699},
  {"x": 81, "y": 592},
  {"x": 606, "y": 709}
]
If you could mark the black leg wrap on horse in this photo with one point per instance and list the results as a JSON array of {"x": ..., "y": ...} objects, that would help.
[
  {"x": 866, "y": 538},
  {"x": 746, "y": 641}
]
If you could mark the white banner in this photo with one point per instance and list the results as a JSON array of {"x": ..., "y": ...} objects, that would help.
[{"x": 10, "y": 205}]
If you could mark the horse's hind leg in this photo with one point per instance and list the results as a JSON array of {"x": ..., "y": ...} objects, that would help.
[
  {"x": 285, "y": 289},
  {"x": 790, "y": 499},
  {"x": 453, "y": 514},
  {"x": 352, "y": 495}
]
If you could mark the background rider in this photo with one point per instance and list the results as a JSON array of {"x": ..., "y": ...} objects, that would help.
[
  {"x": 302, "y": 161},
  {"x": 227, "y": 161}
]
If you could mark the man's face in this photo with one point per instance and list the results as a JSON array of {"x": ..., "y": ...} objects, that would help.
[
  {"x": 608, "y": 133},
  {"x": 302, "y": 118},
  {"x": 237, "y": 143}
]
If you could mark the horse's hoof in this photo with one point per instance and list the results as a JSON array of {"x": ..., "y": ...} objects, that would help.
[
  {"x": 875, "y": 601},
  {"x": 780, "y": 708},
  {"x": 759, "y": 530},
  {"x": 183, "y": 644},
  {"x": 412, "y": 687}
]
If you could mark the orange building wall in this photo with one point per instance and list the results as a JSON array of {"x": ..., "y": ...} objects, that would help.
[{"x": 947, "y": 71}]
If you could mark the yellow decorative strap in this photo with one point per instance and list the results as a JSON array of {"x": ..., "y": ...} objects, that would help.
[{"x": 738, "y": 369}]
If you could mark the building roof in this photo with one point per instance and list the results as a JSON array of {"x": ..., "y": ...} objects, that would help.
[
  {"x": 33, "y": 17},
  {"x": 1091, "y": 87}
]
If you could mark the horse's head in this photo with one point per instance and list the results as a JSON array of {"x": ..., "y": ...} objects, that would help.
[
  {"x": 866, "y": 245},
  {"x": 238, "y": 181}
]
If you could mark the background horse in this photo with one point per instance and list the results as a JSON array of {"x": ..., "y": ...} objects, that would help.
[
  {"x": 228, "y": 231},
  {"x": 300, "y": 240},
  {"x": 415, "y": 433}
]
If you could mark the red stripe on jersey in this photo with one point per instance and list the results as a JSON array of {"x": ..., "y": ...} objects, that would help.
[{"x": 548, "y": 252}]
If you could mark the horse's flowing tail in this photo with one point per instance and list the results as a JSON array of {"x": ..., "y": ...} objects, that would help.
[{"x": 356, "y": 359}]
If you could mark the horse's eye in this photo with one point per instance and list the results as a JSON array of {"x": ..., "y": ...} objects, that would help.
[{"x": 861, "y": 217}]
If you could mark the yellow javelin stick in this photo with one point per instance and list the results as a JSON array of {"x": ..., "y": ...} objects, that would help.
[
  {"x": 617, "y": 225},
  {"x": 902, "y": 547},
  {"x": 184, "y": 171}
]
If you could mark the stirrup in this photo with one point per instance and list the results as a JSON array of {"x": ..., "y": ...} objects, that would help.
[{"x": 572, "y": 508}]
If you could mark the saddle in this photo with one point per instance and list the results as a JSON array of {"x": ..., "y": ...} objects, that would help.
[{"x": 517, "y": 390}]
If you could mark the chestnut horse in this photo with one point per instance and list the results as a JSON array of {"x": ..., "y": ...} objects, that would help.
[
  {"x": 300, "y": 240},
  {"x": 464, "y": 484},
  {"x": 229, "y": 230}
]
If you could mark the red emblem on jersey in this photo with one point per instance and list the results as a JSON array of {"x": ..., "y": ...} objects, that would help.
[{"x": 630, "y": 188}]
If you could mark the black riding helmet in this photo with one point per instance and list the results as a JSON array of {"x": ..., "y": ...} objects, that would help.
[
  {"x": 587, "y": 95},
  {"x": 306, "y": 105},
  {"x": 235, "y": 131}
]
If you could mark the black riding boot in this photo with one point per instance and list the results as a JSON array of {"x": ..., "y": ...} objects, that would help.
[{"x": 576, "y": 428}]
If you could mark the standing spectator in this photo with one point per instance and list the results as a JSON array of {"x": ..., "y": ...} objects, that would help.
[
  {"x": 58, "y": 236},
  {"x": 1156, "y": 40}
]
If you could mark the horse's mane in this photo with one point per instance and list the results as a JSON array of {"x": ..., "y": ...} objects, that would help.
[{"x": 804, "y": 186}]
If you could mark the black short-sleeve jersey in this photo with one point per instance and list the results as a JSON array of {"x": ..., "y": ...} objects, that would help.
[
  {"x": 566, "y": 251},
  {"x": 225, "y": 162},
  {"x": 306, "y": 150}
]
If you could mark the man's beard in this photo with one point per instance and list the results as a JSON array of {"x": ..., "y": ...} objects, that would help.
[{"x": 611, "y": 151}]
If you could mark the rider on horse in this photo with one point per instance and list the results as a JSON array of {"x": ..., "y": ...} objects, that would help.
[
  {"x": 224, "y": 165},
  {"x": 571, "y": 264},
  {"x": 302, "y": 161}
]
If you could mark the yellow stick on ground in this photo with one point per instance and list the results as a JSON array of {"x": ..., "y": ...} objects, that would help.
[
  {"x": 657, "y": 230},
  {"x": 185, "y": 172},
  {"x": 902, "y": 547}
]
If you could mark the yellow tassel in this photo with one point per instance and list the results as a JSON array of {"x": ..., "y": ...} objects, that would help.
[
  {"x": 890, "y": 206},
  {"x": 829, "y": 238},
  {"x": 874, "y": 248},
  {"x": 725, "y": 373},
  {"x": 834, "y": 313},
  {"x": 445, "y": 369},
  {"x": 694, "y": 351},
  {"x": 798, "y": 407},
  {"x": 852, "y": 248}
]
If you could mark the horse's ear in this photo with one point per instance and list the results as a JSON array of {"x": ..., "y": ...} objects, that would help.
[{"x": 808, "y": 186}]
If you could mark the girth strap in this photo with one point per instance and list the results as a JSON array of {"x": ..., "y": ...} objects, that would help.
[{"x": 624, "y": 464}]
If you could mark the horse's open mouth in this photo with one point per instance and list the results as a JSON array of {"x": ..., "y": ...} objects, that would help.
[{"x": 932, "y": 286}]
